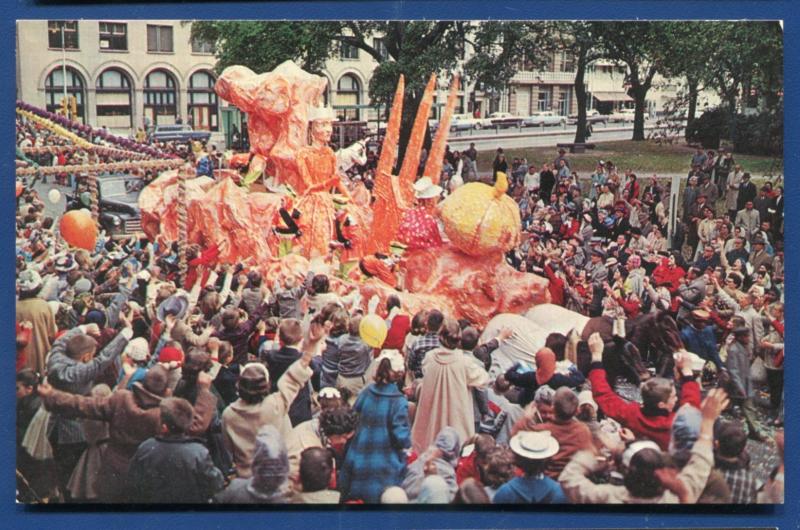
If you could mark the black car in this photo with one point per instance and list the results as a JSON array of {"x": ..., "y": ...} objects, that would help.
[{"x": 118, "y": 196}]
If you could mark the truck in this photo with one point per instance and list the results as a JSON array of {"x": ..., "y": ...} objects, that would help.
[
  {"x": 118, "y": 203},
  {"x": 178, "y": 133}
]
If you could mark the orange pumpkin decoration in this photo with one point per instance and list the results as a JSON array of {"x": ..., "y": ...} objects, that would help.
[
  {"x": 79, "y": 229},
  {"x": 480, "y": 219}
]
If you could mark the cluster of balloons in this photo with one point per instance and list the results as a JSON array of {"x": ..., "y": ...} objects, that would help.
[{"x": 87, "y": 130}]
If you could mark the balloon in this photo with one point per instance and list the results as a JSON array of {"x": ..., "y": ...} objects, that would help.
[
  {"x": 373, "y": 330},
  {"x": 54, "y": 196},
  {"x": 79, "y": 229}
]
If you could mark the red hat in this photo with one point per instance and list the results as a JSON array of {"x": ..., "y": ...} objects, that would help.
[
  {"x": 170, "y": 354},
  {"x": 545, "y": 365}
]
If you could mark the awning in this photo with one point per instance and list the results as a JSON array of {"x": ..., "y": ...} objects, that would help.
[{"x": 611, "y": 96}]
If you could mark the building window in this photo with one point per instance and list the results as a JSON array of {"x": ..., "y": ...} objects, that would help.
[
  {"x": 54, "y": 91},
  {"x": 459, "y": 105},
  {"x": 564, "y": 100},
  {"x": 380, "y": 46},
  {"x": 203, "y": 101},
  {"x": 567, "y": 62},
  {"x": 114, "y": 98},
  {"x": 348, "y": 51},
  {"x": 113, "y": 36},
  {"x": 202, "y": 46},
  {"x": 160, "y": 98},
  {"x": 348, "y": 97},
  {"x": 62, "y": 31},
  {"x": 159, "y": 39},
  {"x": 543, "y": 102}
]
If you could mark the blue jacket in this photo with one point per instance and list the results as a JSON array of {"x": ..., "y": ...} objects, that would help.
[
  {"x": 703, "y": 342},
  {"x": 530, "y": 490},
  {"x": 375, "y": 458}
]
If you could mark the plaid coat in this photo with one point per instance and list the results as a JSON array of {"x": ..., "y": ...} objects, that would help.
[{"x": 375, "y": 458}]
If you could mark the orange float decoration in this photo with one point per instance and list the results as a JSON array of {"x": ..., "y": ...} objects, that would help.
[
  {"x": 79, "y": 229},
  {"x": 480, "y": 219}
]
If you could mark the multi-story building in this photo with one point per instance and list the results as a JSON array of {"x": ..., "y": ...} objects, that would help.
[
  {"x": 128, "y": 74},
  {"x": 123, "y": 74}
]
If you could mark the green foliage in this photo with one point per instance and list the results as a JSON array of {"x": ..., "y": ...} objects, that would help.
[
  {"x": 760, "y": 134},
  {"x": 263, "y": 45},
  {"x": 708, "y": 129}
]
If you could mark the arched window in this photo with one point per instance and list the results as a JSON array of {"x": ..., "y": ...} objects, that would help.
[
  {"x": 54, "y": 91},
  {"x": 114, "y": 99},
  {"x": 348, "y": 97},
  {"x": 203, "y": 101},
  {"x": 160, "y": 98}
]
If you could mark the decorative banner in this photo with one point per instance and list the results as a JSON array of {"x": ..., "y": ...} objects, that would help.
[
  {"x": 158, "y": 165},
  {"x": 50, "y": 119}
]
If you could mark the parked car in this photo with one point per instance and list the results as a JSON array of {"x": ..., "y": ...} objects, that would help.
[
  {"x": 504, "y": 119},
  {"x": 544, "y": 117},
  {"x": 592, "y": 116},
  {"x": 178, "y": 133},
  {"x": 118, "y": 203},
  {"x": 624, "y": 115}
]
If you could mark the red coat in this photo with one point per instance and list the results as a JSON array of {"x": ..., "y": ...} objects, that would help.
[
  {"x": 396, "y": 336},
  {"x": 629, "y": 414},
  {"x": 556, "y": 286},
  {"x": 673, "y": 275}
]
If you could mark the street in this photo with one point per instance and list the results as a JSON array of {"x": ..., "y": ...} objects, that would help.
[{"x": 514, "y": 138}]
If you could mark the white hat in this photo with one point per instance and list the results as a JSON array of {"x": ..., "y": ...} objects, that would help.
[
  {"x": 394, "y": 495},
  {"x": 536, "y": 445},
  {"x": 321, "y": 114},
  {"x": 137, "y": 349},
  {"x": 635, "y": 447},
  {"x": 397, "y": 361},
  {"x": 424, "y": 188},
  {"x": 29, "y": 280},
  {"x": 585, "y": 398},
  {"x": 329, "y": 393}
]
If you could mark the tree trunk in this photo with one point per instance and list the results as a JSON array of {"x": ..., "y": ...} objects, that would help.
[
  {"x": 639, "y": 94},
  {"x": 580, "y": 94},
  {"x": 692, "y": 85},
  {"x": 732, "y": 111}
]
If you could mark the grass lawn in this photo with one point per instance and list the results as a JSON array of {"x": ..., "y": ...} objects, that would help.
[{"x": 644, "y": 158}]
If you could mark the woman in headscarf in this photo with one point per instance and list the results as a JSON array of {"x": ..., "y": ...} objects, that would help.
[
  {"x": 269, "y": 482},
  {"x": 376, "y": 455},
  {"x": 545, "y": 375}
]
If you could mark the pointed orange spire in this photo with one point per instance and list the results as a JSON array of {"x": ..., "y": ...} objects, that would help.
[
  {"x": 408, "y": 172},
  {"x": 433, "y": 167},
  {"x": 389, "y": 148}
]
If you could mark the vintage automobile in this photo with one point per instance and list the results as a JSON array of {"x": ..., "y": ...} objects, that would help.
[
  {"x": 178, "y": 133},
  {"x": 118, "y": 203},
  {"x": 545, "y": 117},
  {"x": 504, "y": 119},
  {"x": 592, "y": 116},
  {"x": 624, "y": 116}
]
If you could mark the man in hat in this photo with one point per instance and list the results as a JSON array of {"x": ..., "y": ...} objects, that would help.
[
  {"x": 741, "y": 388},
  {"x": 598, "y": 275},
  {"x": 759, "y": 256},
  {"x": 33, "y": 309},
  {"x": 690, "y": 293},
  {"x": 747, "y": 192},
  {"x": 699, "y": 337},
  {"x": 532, "y": 453},
  {"x": 748, "y": 219}
]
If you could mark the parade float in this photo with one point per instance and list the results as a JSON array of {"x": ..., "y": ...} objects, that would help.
[{"x": 313, "y": 218}]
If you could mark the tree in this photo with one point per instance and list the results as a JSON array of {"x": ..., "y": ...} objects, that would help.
[
  {"x": 639, "y": 46},
  {"x": 580, "y": 39},
  {"x": 263, "y": 45}
]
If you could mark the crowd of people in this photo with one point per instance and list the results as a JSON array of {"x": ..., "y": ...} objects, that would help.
[{"x": 135, "y": 388}]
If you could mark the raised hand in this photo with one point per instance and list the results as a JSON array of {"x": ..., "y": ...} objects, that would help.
[{"x": 596, "y": 346}]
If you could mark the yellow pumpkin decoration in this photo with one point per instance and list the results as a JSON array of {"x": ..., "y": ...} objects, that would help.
[{"x": 480, "y": 219}]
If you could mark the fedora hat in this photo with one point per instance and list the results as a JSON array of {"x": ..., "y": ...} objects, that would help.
[
  {"x": 66, "y": 264},
  {"x": 534, "y": 445},
  {"x": 177, "y": 304}
]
